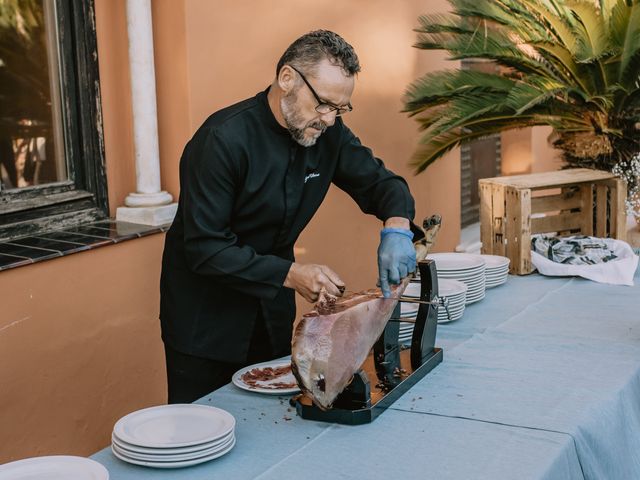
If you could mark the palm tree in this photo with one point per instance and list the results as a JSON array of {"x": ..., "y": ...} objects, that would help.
[{"x": 573, "y": 65}]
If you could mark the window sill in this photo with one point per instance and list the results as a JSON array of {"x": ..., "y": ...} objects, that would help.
[{"x": 59, "y": 243}]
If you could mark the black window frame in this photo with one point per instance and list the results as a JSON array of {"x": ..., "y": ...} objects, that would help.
[{"x": 83, "y": 197}]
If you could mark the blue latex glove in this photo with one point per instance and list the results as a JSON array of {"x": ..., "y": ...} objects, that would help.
[{"x": 396, "y": 257}]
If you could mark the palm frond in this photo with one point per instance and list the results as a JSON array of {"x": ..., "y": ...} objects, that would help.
[
  {"x": 590, "y": 31},
  {"x": 433, "y": 148},
  {"x": 630, "y": 56},
  {"x": 565, "y": 65},
  {"x": 570, "y": 64},
  {"x": 484, "y": 43},
  {"x": 440, "y": 87},
  {"x": 536, "y": 91},
  {"x": 544, "y": 20}
]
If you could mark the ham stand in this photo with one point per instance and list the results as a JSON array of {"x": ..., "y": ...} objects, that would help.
[{"x": 390, "y": 369}]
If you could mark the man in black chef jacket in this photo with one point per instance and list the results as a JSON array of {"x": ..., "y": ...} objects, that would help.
[{"x": 251, "y": 178}]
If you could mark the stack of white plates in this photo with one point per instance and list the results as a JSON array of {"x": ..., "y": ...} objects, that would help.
[
  {"x": 406, "y": 332},
  {"x": 497, "y": 270},
  {"x": 453, "y": 294},
  {"x": 173, "y": 436},
  {"x": 468, "y": 268},
  {"x": 55, "y": 467},
  {"x": 408, "y": 311}
]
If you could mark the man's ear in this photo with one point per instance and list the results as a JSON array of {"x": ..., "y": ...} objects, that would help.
[{"x": 286, "y": 79}]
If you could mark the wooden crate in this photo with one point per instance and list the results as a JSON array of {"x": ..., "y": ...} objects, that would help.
[{"x": 513, "y": 208}]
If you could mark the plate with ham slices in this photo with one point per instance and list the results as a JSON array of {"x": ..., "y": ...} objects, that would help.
[{"x": 271, "y": 378}]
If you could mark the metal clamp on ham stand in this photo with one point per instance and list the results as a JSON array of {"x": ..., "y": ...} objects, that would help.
[{"x": 390, "y": 369}]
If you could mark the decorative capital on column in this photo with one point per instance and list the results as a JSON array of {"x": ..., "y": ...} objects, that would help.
[
  {"x": 148, "y": 199},
  {"x": 159, "y": 215}
]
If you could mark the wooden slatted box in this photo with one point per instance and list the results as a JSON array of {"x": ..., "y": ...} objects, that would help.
[{"x": 563, "y": 202}]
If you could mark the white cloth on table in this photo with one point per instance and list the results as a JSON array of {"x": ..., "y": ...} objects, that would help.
[{"x": 604, "y": 260}]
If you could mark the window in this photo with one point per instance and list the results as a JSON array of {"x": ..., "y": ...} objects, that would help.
[{"x": 51, "y": 153}]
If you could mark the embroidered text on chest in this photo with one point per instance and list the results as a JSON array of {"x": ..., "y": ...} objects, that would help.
[{"x": 310, "y": 176}]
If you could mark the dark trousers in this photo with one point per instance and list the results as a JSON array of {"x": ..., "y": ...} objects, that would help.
[{"x": 190, "y": 378}]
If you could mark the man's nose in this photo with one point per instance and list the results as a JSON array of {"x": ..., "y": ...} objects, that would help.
[{"x": 328, "y": 118}]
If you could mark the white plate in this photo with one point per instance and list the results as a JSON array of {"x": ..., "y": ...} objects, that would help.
[
  {"x": 446, "y": 320},
  {"x": 498, "y": 269},
  {"x": 172, "y": 426},
  {"x": 497, "y": 279},
  {"x": 474, "y": 300},
  {"x": 178, "y": 464},
  {"x": 480, "y": 273},
  {"x": 475, "y": 291},
  {"x": 495, "y": 261},
  {"x": 451, "y": 298},
  {"x": 412, "y": 290},
  {"x": 173, "y": 458},
  {"x": 497, "y": 275},
  {"x": 127, "y": 447},
  {"x": 454, "y": 315},
  {"x": 443, "y": 311},
  {"x": 453, "y": 303},
  {"x": 453, "y": 306},
  {"x": 449, "y": 288},
  {"x": 476, "y": 296},
  {"x": 54, "y": 467},
  {"x": 238, "y": 382},
  {"x": 407, "y": 307},
  {"x": 456, "y": 261},
  {"x": 468, "y": 281}
]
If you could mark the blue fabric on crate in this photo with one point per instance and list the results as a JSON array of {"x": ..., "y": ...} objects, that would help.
[{"x": 540, "y": 380}]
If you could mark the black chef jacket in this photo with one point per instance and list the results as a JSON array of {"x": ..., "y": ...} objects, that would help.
[{"x": 247, "y": 190}]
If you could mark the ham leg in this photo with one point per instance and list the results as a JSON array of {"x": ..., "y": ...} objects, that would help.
[{"x": 331, "y": 342}]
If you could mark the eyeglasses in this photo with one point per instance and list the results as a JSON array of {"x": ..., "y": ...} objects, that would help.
[{"x": 323, "y": 106}]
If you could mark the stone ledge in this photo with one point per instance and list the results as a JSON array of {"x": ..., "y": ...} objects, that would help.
[{"x": 31, "y": 249}]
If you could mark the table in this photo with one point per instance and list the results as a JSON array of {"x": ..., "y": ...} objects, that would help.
[{"x": 540, "y": 380}]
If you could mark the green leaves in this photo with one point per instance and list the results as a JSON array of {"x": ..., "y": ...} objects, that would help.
[
  {"x": 572, "y": 64},
  {"x": 440, "y": 87},
  {"x": 629, "y": 37}
]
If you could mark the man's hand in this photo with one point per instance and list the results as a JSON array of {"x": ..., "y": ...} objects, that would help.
[
  {"x": 396, "y": 257},
  {"x": 309, "y": 279}
]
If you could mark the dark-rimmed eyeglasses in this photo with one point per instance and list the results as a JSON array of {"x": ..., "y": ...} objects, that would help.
[{"x": 323, "y": 106}]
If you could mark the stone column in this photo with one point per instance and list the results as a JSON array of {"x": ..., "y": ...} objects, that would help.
[{"x": 149, "y": 204}]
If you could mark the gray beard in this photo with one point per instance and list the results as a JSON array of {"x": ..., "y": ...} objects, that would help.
[{"x": 294, "y": 122}]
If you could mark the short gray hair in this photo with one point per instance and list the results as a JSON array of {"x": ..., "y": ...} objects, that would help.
[{"x": 310, "y": 49}]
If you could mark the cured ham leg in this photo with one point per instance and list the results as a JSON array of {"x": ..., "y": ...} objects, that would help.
[{"x": 331, "y": 342}]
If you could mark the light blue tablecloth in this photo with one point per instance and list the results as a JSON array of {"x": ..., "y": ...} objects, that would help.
[{"x": 540, "y": 380}]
